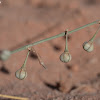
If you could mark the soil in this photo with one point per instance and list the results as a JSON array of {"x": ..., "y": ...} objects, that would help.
[{"x": 26, "y": 21}]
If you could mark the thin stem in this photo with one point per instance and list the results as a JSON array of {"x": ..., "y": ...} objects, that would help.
[
  {"x": 53, "y": 37},
  {"x": 66, "y": 45},
  {"x": 92, "y": 39},
  {"x": 39, "y": 58},
  {"x": 26, "y": 59}
]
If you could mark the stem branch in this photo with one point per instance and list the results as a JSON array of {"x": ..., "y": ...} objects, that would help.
[{"x": 53, "y": 37}]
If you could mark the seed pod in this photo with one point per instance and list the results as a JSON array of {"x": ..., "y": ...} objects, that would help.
[
  {"x": 88, "y": 46},
  {"x": 5, "y": 54},
  {"x": 65, "y": 57},
  {"x": 21, "y": 73}
]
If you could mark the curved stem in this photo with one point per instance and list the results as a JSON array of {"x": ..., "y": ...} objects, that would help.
[
  {"x": 53, "y": 37},
  {"x": 92, "y": 39},
  {"x": 26, "y": 59},
  {"x": 39, "y": 58}
]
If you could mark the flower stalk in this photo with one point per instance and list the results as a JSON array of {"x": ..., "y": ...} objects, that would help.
[
  {"x": 92, "y": 39},
  {"x": 53, "y": 37},
  {"x": 21, "y": 73},
  {"x": 39, "y": 58}
]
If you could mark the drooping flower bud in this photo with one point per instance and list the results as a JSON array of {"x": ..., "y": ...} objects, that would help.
[
  {"x": 88, "y": 46},
  {"x": 21, "y": 73},
  {"x": 65, "y": 57},
  {"x": 4, "y": 55}
]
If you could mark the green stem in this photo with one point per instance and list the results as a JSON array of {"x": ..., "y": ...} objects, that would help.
[
  {"x": 66, "y": 45},
  {"x": 26, "y": 59},
  {"x": 92, "y": 39},
  {"x": 53, "y": 37}
]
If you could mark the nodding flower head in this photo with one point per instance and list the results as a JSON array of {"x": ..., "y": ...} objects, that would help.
[
  {"x": 21, "y": 73},
  {"x": 65, "y": 57},
  {"x": 88, "y": 46}
]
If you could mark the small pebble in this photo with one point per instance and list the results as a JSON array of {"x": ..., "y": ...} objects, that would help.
[{"x": 75, "y": 68}]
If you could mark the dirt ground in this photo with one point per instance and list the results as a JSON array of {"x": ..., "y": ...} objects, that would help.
[{"x": 26, "y": 21}]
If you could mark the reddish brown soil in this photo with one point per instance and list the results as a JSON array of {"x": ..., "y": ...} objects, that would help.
[{"x": 27, "y": 21}]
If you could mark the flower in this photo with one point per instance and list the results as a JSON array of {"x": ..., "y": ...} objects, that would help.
[
  {"x": 65, "y": 57},
  {"x": 88, "y": 46},
  {"x": 21, "y": 73}
]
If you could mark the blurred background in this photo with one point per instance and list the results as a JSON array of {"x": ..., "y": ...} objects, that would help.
[{"x": 26, "y": 21}]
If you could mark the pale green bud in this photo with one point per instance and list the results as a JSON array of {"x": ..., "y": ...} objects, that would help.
[
  {"x": 65, "y": 57},
  {"x": 21, "y": 73},
  {"x": 88, "y": 46}
]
